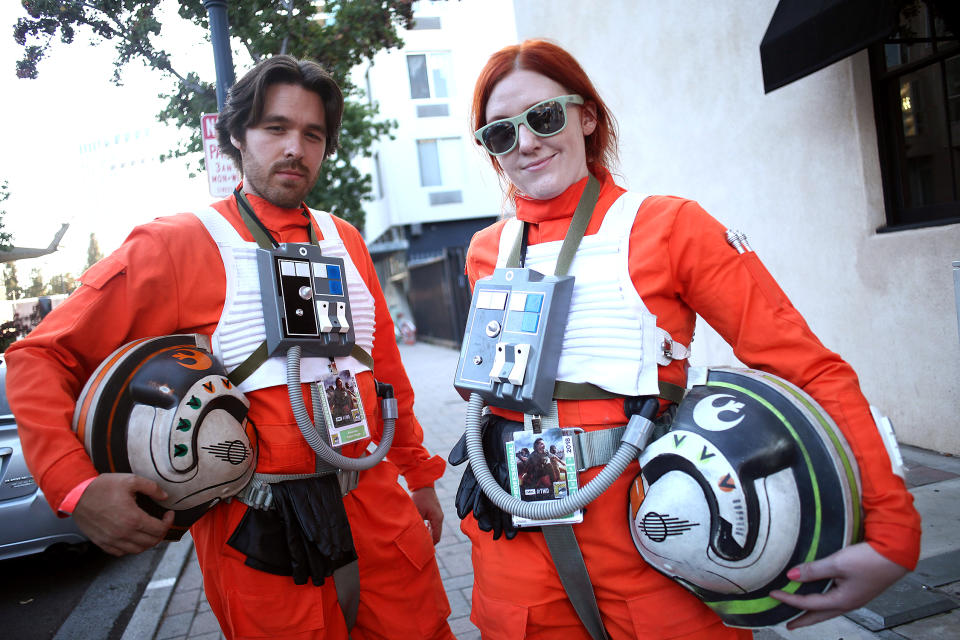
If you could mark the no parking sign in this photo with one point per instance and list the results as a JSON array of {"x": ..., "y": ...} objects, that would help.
[{"x": 222, "y": 174}]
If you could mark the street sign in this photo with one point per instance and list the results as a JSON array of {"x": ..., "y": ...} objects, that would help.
[{"x": 222, "y": 174}]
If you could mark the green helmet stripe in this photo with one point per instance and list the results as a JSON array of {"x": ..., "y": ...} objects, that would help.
[
  {"x": 818, "y": 505},
  {"x": 747, "y": 607},
  {"x": 766, "y": 603},
  {"x": 841, "y": 451}
]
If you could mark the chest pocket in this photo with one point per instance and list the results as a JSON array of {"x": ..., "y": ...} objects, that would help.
[{"x": 101, "y": 273}]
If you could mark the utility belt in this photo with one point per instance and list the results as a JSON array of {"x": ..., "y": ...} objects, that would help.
[
  {"x": 593, "y": 448},
  {"x": 297, "y": 526},
  {"x": 258, "y": 493}
]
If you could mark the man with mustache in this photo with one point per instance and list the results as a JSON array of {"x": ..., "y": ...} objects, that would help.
[{"x": 176, "y": 275}]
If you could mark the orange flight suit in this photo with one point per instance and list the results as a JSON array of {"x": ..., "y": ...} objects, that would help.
[
  {"x": 168, "y": 277},
  {"x": 681, "y": 265}
]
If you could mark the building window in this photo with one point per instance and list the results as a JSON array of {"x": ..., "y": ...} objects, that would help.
[
  {"x": 430, "y": 82},
  {"x": 441, "y": 169},
  {"x": 916, "y": 87},
  {"x": 428, "y": 22}
]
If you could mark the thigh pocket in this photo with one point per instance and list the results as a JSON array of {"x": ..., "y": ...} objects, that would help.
[
  {"x": 281, "y": 609},
  {"x": 671, "y": 613},
  {"x": 416, "y": 545},
  {"x": 498, "y": 619},
  {"x": 405, "y": 596}
]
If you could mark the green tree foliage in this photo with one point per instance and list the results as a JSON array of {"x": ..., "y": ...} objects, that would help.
[
  {"x": 36, "y": 288},
  {"x": 5, "y": 237},
  {"x": 10, "y": 283},
  {"x": 93, "y": 252},
  {"x": 61, "y": 283},
  {"x": 339, "y": 34}
]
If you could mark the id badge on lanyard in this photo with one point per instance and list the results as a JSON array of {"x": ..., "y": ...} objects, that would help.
[
  {"x": 342, "y": 408},
  {"x": 542, "y": 467}
]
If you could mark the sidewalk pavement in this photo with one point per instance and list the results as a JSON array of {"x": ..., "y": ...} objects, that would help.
[{"x": 925, "y": 605}]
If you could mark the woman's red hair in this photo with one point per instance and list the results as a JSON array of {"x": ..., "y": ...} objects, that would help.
[{"x": 552, "y": 61}]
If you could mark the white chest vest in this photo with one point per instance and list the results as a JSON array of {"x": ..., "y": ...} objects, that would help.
[
  {"x": 240, "y": 330},
  {"x": 611, "y": 340}
]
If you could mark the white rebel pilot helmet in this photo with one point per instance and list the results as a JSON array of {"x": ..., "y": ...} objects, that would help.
[
  {"x": 163, "y": 408},
  {"x": 752, "y": 479}
]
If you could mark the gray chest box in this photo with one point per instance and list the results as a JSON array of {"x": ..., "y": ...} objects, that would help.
[
  {"x": 512, "y": 342},
  {"x": 305, "y": 301}
]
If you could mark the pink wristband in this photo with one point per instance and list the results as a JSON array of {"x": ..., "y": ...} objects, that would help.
[{"x": 70, "y": 502}]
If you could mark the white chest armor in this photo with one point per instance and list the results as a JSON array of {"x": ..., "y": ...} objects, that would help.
[
  {"x": 240, "y": 330},
  {"x": 611, "y": 339}
]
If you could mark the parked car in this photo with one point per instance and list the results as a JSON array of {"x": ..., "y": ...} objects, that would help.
[{"x": 27, "y": 524}]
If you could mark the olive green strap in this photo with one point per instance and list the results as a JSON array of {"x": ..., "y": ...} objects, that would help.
[
  {"x": 567, "y": 558},
  {"x": 246, "y": 368},
  {"x": 254, "y": 226},
  {"x": 586, "y": 391},
  {"x": 578, "y": 226},
  {"x": 260, "y": 355},
  {"x": 361, "y": 356}
]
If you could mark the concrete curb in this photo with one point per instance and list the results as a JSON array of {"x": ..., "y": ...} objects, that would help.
[{"x": 146, "y": 618}]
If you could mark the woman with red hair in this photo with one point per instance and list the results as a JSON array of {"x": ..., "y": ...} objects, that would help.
[{"x": 550, "y": 137}]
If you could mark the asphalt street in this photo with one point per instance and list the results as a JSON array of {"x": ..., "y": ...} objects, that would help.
[{"x": 72, "y": 591}]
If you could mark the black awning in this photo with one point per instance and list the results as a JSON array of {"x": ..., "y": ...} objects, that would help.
[{"x": 807, "y": 35}]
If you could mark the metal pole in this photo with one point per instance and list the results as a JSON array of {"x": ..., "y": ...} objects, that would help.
[
  {"x": 956, "y": 286},
  {"x": 220, "y": 38}
]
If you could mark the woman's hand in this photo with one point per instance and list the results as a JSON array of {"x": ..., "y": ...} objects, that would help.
[{"x": 859, "y": 575}]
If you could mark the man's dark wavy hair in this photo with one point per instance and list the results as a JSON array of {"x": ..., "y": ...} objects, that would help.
[{"x": 243, "y": 107}]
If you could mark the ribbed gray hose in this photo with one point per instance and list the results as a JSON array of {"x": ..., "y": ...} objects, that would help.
[
  {"x": 313, "y": 438},
  {"x": 625, "y": 454}
]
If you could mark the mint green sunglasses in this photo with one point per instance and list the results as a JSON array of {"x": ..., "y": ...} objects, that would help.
[{"x": 545, "y": 119}]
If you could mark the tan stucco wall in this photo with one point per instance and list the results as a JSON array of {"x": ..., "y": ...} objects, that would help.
[{"x": 797, "y": 169}]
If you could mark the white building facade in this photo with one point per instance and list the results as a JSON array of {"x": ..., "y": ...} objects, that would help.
[
  {"x": 431, "y": 172},
  {"x": 799, "y": 170}
]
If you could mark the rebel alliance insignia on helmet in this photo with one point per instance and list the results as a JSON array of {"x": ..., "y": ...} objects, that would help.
[
  {"x": 752, "y": 479},
  {"x": 163, "y": 408}
]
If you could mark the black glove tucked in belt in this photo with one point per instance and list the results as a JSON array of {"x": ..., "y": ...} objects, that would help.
[
  {"x": 305, "y": 534},
  {"x": 496, "y": 433}
]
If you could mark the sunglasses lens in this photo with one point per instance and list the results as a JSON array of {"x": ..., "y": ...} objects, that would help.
[
  {"x": 499, "y": 137},
  {"x": 546, "y": 119}
]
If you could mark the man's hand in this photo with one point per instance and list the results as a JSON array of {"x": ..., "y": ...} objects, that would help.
[
  {"x": 859, "y": 575},
  {"x": 428, "y": 505},
  {"x": 108, "y": 514}
]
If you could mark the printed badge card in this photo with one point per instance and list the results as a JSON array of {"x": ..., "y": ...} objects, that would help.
[
  {"x": 343, "y": 408},
  {"x": 542, "y": 467}
]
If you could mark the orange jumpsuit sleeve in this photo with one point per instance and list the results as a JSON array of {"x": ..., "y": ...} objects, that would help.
[
  {"x": 417, "y": 466},
  {"x": 736, "y": 295},
  {"x": 137, "y": 291}
]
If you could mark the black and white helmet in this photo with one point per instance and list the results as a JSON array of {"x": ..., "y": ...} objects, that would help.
[
  {"x": 162, "y": 408},
  {"x": 752, "y": 479}
]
